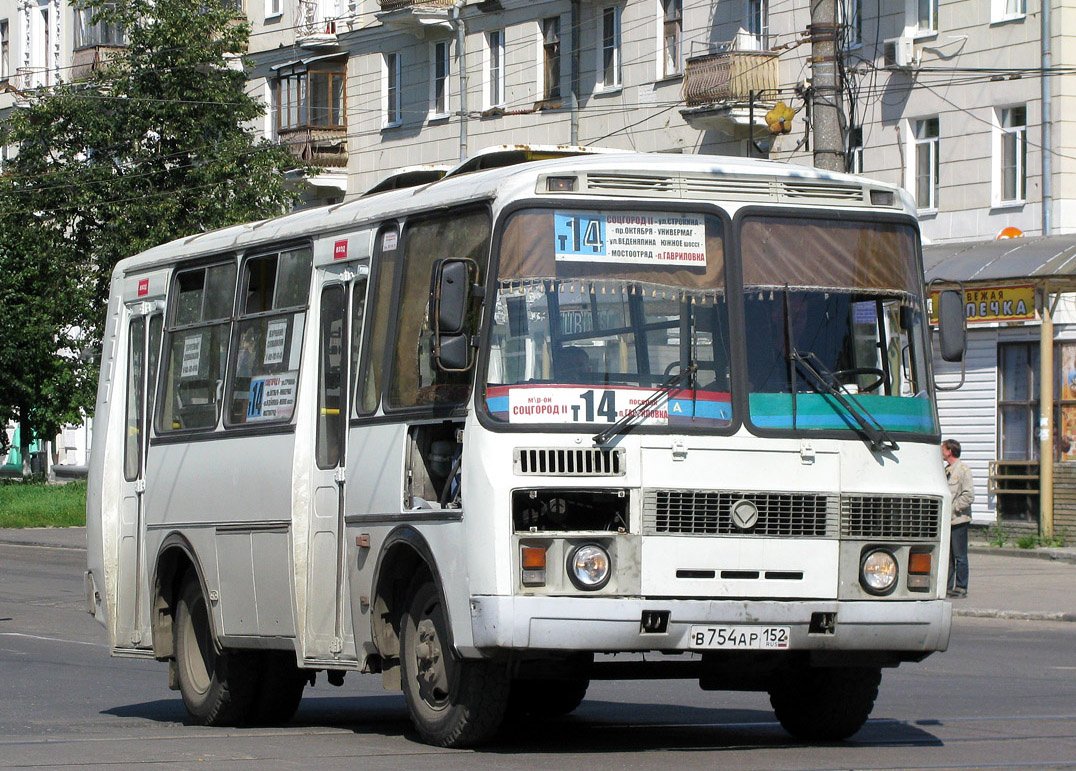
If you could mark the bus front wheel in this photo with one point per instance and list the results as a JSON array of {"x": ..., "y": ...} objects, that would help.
[
  {"x": 825, "y": 704},
  {"x": 453, "y": 702},
  {"x": 217, "y": 687}
]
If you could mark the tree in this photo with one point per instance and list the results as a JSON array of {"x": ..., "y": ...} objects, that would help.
[{"x": 154, "y": 146}]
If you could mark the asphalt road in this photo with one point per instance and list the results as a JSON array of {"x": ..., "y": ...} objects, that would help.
[{"x": 1002, "y": 697}]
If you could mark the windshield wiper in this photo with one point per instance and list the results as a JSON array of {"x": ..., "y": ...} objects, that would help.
[
  {"x": 640, "y": 410},
  {"x": 879, "y": 437}
]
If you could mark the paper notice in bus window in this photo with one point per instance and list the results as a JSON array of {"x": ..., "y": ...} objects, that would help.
[
  {"x": 276, "y": 335},
  {"x": 653, "y": 238},
  {"x": 192, "y": 356},
  {"x": 272, "y": 397}
]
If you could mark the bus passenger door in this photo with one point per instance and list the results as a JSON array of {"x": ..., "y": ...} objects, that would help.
[
  {"x": 327, "y": 622},
  {"x": 132, "y": 583}
]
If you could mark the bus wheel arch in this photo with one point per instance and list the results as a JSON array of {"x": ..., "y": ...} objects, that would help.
[
  {"x": 175, "y": 560},
  {"x": 404, "y": 555}
]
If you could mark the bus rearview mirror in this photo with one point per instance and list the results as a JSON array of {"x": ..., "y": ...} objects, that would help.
[
  {"x": 952, "y": 332},
  {"x": 453, "y": 353},
  {"x": 451, "y": 295}
]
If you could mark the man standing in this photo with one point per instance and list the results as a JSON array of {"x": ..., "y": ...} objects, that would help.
[{"x": 962, "y": 492}]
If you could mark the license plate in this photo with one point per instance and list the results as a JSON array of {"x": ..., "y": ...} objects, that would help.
[{"x": 739, "y": 637}]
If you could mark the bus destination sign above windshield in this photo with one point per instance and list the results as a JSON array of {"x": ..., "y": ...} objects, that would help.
[{"x": 661, "y": 238}]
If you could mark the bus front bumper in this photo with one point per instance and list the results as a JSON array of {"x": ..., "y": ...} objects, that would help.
[{"x": 605, "y": 624}]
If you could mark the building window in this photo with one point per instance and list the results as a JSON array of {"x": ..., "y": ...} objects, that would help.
[
  {"x": 5, "y": 51},
  {"x": 1018, "y": 401},
  {"x": 313, "y": 98},
  {"x": 89, "y": 34},
  {"x": 850, "y": 17},
  {"x": 1012, "y": 130},
  {"x": 672, "y": 26},
  {"x": 495, "y": 71},
  {"x": 273, "y": 8},
  {"x": 390, "y": 92},
  {"x": 442, "y": 70},
  {"x": 757, "y": 23},
  {"x": 610, "y": 48},
  {"x": 855, "y": 150},
  {"x": 926, "y": 163},
  {"x": 551, "y": 58},
  {"x": 1004, "y": 10},
  {"x": 926, "y": 16}
]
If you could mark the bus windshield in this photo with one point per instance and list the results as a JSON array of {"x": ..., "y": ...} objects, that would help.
[
  {"x": 834, "y": 326},
  {"x": 595, "y": 310}
]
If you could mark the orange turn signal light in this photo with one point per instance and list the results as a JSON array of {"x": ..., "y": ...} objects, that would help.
[
  {"x": 919, "y": 562},
  {"x": 533, "y": 557}
]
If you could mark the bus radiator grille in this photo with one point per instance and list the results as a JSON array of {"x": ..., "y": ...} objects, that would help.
[
  {"x": 710, "y": 512},
  {"x": 904, "y": 517}
]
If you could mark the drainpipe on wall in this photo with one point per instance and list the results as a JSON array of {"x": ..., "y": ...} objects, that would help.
[
  {"x": 461, "y": 63},
  {"x": 1046, "y": 416},
  {"x": 1047, "y": 113},
  {"x": 573, "y": 25}
]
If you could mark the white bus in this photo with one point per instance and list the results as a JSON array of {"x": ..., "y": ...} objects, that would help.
[{"x": 501, "y": 434}]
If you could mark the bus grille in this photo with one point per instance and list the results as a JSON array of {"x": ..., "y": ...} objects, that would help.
[
  {"x": 707, "y": 512},
  {"x": 556, "y": 461},
  {"x": 890, "y": 516}
]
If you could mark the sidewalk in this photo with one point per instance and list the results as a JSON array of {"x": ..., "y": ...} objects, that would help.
[{"x": 1023, "y": 584}]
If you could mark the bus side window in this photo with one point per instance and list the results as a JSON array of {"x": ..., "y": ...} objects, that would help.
[
  {"x": 274, "y": 291},
  {"x": 196, "y": 350},
  {"x": 415, "y": 381}
]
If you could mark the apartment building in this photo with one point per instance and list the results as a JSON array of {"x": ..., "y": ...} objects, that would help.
[{"x": 941, "y": 96}]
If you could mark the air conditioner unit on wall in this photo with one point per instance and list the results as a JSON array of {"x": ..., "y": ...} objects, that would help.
[{"x": 899, "y": 53}]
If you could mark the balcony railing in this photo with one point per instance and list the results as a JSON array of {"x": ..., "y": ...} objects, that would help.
[
  {"x": 729, "y": 76},
  {"x": 392, "y": 5},
  {"x": 317, "y": 146},
  {"x": 86, "y": 61}
]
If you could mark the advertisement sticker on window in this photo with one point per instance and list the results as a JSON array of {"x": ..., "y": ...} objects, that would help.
[
  {"x": 192, "y": 356},
  {"x": 641, "y": 238},
  {"x": 272, "y": 397},
  {"x": 276, "y": 336}
]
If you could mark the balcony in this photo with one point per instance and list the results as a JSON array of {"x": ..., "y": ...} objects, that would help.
[
  {"x": 325, "y": 147},
  {"x": 421, "y": 18},
  {"x": 315, "y": 28},
  {"x": 718, "y": 89},
  {"x": 91, "y": 59}
]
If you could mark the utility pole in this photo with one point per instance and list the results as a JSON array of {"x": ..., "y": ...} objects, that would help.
[{"x": 826, "y": 109}]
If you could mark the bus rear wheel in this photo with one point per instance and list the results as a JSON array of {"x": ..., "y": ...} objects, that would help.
[
  {"x": 280, "y": 689},
  {"x": 218, "y": 688},
  {"x": 452, "y": 702},
  {"x": 825, "y": 704}
]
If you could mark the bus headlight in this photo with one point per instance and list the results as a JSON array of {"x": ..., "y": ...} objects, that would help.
[
  {"x": 589, "y": 567},
  {"x": 878, "y": 571}
]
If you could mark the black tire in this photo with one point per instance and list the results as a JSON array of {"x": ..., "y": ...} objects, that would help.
[
  {"x": 218, "y": 688},
  {"x": 546, "y": 698},
  {"x": 816, "y": 704},
  {"x": 280, "y": 689},
  {"x": 453, "y": 702}
]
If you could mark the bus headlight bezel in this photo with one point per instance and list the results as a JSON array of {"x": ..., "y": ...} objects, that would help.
[
  {"x": 879, "y": 571},
  {"x": 600, "y": 570}
]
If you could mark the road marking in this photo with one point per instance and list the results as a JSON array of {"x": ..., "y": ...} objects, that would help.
[{"x": 52, "y": 639}]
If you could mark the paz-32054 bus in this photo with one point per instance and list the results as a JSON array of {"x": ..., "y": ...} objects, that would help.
[{"x": 479, "y": 434}]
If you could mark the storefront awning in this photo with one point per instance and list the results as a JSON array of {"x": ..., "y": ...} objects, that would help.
[{"x": 1050, "y": 258}]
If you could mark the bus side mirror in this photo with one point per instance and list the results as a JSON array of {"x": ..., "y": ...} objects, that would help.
[
  {"x": 452, "y": 289},
  {"x": 952, "y": 331}
]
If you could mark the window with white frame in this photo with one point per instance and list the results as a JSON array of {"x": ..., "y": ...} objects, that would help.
[
  {"x": 5, "y": 51},
  {"x": 672, "y": 12},
  {"x": 390, "y": 91},
  {"x": 926, "y": 163},
  {"x": 100, "y": 33},
  {"x": 757, "y": 24},
  {"x": 495, "y": 68},
  {"x": 441, "y": 66},
  {"x": 273, "y": 8},
  {"x": 609, "y": 64},
  {"x": 1004, "y": 10},
  {"x": 551, "y": 58},
  {"x": 926, "y": 16},
  {"x": 850, "y": 18},
  {"x": 855, "y": 150},
  {"x": 1012, "y": 153}
]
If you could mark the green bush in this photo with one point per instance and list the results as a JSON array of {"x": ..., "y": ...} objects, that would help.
[
  {"x": 1027, "y": 541},
  {"x": 35, "y": 504}
]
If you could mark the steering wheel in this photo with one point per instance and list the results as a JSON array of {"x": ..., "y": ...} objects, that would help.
[
  {"x": 674, "y": 367},
  {"x": 848, "y": 375}
]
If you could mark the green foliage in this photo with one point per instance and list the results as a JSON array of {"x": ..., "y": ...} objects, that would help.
[
  {"x": 34, "y": 504},
  {"x": 155, "y": 146},
  {"x": 998, "y": 536},
  {"x": 1027, "y": 541}
]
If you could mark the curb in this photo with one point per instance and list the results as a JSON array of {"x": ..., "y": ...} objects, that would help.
[
  {"x": 1014, "y": 615},
  {"x": 1056, "y": 555}
]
